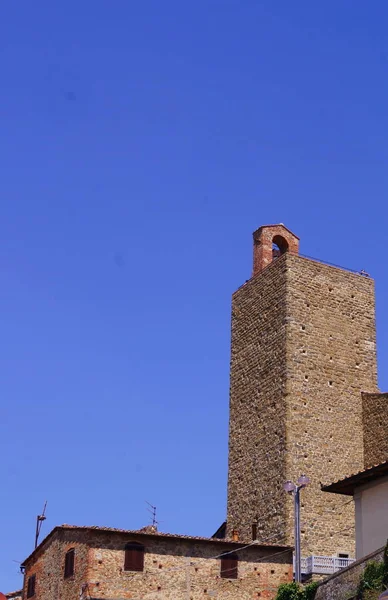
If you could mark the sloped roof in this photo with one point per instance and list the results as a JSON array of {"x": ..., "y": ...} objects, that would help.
[
  {"x": 347, "y": 485},
  {"x": 276, "y": 225},
  {"x": 147, "y": 533}
]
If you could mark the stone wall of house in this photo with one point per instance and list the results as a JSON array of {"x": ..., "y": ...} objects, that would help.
[
  {"x": 174, "y": 569},
  {"x": 375, "y": 421},
  {"x": 181, "y": 569},
  {"x": 303, "y": 349},
  {"x": 343, "y": 585},
  {"x": 48, "y": 567}
]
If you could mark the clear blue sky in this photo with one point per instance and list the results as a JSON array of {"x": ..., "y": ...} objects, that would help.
[{"x": 141, "y": 144}]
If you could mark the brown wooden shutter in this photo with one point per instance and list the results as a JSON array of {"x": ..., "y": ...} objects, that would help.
[
  {"x": 229, "y": 566},
  {"x": 31, "y": 586},
  {"x": 134, "y": 557},
  {"x": 69, "y": 563}
]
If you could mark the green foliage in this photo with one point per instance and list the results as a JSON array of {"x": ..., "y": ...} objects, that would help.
[
  {"x": 374, "y": 578},
  {"x": 292, "y": 591},
  {"x": 371, "y": 580},
  {"x": 310, "y": 590},
  {"x": 385, "y": 562},
  {"x": 288, "y": 591}
]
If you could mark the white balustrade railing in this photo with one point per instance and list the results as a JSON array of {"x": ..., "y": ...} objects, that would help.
[{"x": 324, "y": 565}]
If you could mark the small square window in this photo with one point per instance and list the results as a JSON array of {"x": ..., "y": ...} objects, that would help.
[
  {"x": 134, "y": 557},
  {"x": 229, "y": 566}
]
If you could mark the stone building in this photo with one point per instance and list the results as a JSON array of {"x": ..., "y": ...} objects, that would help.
[
  {"x": 303, "y": 350},
  {"x": 303, "y": 399},
  {"x": 369, "y": 490},
  {"x": 96, "y": 563}
]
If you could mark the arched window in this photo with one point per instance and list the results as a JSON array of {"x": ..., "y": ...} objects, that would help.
[
  {"x": 69, "y": 563},
  {"x": 279, "y": 246},
  {"x": 134, "y": 557},
  {"x": 229, "y": 566}
]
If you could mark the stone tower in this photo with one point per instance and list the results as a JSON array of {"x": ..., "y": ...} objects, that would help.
[{"x": 303, "y": 350}]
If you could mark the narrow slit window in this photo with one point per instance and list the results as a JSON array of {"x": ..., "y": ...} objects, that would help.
[
  {"x": 31, "y": 586},
  {"x": 69, "y": 563}
]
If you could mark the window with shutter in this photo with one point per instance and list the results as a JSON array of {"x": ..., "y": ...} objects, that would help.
[
  {"x": 134, "y": 557},
  {"x": 69, "y": 563},
  {"x": 229, "y": 566},
  {"x": 31, "y": 586}
]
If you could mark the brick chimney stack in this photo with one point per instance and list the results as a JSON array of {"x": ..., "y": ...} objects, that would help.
[{"x": 269, "y": 242}]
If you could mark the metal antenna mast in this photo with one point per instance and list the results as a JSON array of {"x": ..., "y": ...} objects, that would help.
[
  {"x": 152, "y": 510},
  {"x": 39, "y": 521}
]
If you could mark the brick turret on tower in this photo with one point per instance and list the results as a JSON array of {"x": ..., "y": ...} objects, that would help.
[{"x": 303, "y": 350}]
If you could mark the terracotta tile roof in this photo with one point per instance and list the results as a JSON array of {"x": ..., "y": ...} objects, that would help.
[
  {"x": 177, "y": 536},
  {"x": 277, "y": 225},
  {"x": 347, "y": 485},
  {"x": 146, "y": 532}
]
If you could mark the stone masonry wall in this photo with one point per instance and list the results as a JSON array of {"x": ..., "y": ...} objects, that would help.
[
  {"x": 174, "y": 569},
  {"x": 303, "y": 349},
  {"x": 179, "y": 570},
  {"x": 343, "y": 585},
  {"x": 48, "y": 566},
  {"x": 375, "y": 423},
  {"x": 331, "y": 358},
  {"x": 257, "y": 423}
]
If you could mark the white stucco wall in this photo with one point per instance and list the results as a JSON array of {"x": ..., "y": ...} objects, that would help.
[{"x": 371, "y": 503}]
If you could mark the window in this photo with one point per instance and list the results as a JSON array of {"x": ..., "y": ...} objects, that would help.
[
  {"x": 229, "y": 566},
  {"x": 69, "y": 563},
  {"x": 279, "y": 246},
  {"x": 134, "y": 557},
  {"x": 343, "y": 555},
  {"x": 31, "y": 586}
]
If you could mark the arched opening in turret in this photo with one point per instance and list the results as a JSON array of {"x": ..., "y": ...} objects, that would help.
[{"x": 279, "y": 246}]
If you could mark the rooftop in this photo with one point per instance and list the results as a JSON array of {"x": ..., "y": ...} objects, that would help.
[
  {"x": 347, "y": 485},
  {"x": 146, "y": 532}
]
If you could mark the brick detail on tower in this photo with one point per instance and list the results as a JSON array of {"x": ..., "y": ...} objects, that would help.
[
  {"x": 303, "y": 349},
  {"x": 270, "y": 242}
]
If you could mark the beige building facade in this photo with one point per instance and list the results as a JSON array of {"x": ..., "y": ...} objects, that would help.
[
  {"x": 369, "y": 489},
  {"x": 371, "y": 504}
]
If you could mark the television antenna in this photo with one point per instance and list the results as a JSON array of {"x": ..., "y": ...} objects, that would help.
[
  {"x": 39, "y": 521},
  {"x": 152, "y": 510}
]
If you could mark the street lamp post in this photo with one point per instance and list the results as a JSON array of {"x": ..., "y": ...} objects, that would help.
[{"x": 294, "y": 488}]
